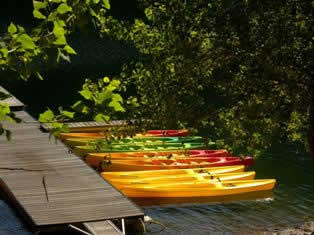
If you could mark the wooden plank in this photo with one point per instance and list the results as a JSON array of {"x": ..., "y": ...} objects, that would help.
[
  {"x": 54, "y": 199},
  {"x": 13, "y": 102},
  {"x": 102, "y": 228},
  {"x": 73, "y": 192},
  {"x": 89, "y": 126}
]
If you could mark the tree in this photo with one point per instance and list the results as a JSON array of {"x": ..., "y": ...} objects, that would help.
[
  {"x": 23, "y": 53},
  {"x": 239, "y": 72}
]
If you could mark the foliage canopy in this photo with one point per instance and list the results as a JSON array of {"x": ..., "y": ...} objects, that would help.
[{"x": 239, "y": 72}]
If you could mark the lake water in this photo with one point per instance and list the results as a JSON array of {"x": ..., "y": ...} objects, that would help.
[{"x": 291, "y": 203}]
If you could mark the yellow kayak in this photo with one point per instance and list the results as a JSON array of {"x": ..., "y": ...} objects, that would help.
[
  {"x": 182, "y": 179},
  {"x": 101, "y": 132},
  {"x": 210, "y": 189},
  {"x": 172, "y": 172},
  {"x": 85, "y": 135}
]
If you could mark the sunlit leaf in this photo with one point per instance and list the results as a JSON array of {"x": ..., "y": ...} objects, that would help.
[
  {"x": 86, "y": 94},
  {"x": 107, "y": 4},
  {"x": 37, "y": 14},
  {"x": 47, "y": 116},
  {"x": 26, "y": 41},
  {"x": 116, "y": 106},
  {"x": 12, "y": 28},
  {"x": 64, "y": 8},
  {"x": 69, "y": 50},
  {"x": 101, "y": 118}
]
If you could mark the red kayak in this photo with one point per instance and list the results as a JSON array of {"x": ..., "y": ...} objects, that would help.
[
  {"x": 140, "y": 165},
  {"x": 95, "y": 158}
]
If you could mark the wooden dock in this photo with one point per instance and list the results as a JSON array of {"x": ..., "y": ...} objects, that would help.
[
  {"x": 52, "y": 188},
  {"x": 89, "y": 126}
]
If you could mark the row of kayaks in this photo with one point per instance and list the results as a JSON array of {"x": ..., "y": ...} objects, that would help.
[{"x": 166, "y": 164}]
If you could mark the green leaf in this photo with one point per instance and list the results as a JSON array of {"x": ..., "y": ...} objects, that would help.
[
  {"x": 60, "y": 41},
  {"x": 12, "y": 29},
  {"x": 101, "y": 118},
  {"x": 21, "y": 29},
  {"x": 116, "y": 106},
  {"x": 107, "y": 4},
  {"x": 63, "y": 8},
  {"x": 37, "y": 14},
  {"x": 39, "y": 5},
  {"x": 8, "y": 134},
  {"x": 68, "y": 114},
  {"x": 114, "y": 84},
  {"x": 26, "y": 42},
  {"x": 80, "y": 107},
  {"x": 4, "y": 52},
  {"x": 4, "y": 110},
  {"x": 47, "y": 116},
  {"x": 96, "y": 1},
  {"x": 106, "y": 80},
  {"x": 76, "y": 105},
  {"x": 117, "y": 97},
  {"x": 69, "y": 50},
  {"x": 105, "y": 95},
  {"x": 86, "y": 94},
  {"x": 65, "y": 57},
  {"x": 39, "y": 76},
  {"x": 58, "y": 30}
]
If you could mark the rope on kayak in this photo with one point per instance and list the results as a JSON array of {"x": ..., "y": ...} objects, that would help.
[
  {"x": 213, "y": 177},
  {"x": 170, "y": 156}
]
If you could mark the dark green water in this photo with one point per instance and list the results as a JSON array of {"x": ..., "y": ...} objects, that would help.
[{"x": 291, "y": 203}]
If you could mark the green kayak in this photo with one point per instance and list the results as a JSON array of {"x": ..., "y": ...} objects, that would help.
[
  {"x": 130, "y": 141},
  {"x": 83, "y": 150}
]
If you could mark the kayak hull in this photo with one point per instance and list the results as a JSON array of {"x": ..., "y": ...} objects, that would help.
[
  {"x": 83, "y": 150},
  {"x": 101, "y": 132},
  {"x": 137, "y": 165},
  {"x": 86, "y": 141},
  {"x": 94, "y": 159},
  {"x": 172, "y": 172},
  {"x": 181, "y": 180},
  {"x": 212, "y": 190}
]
